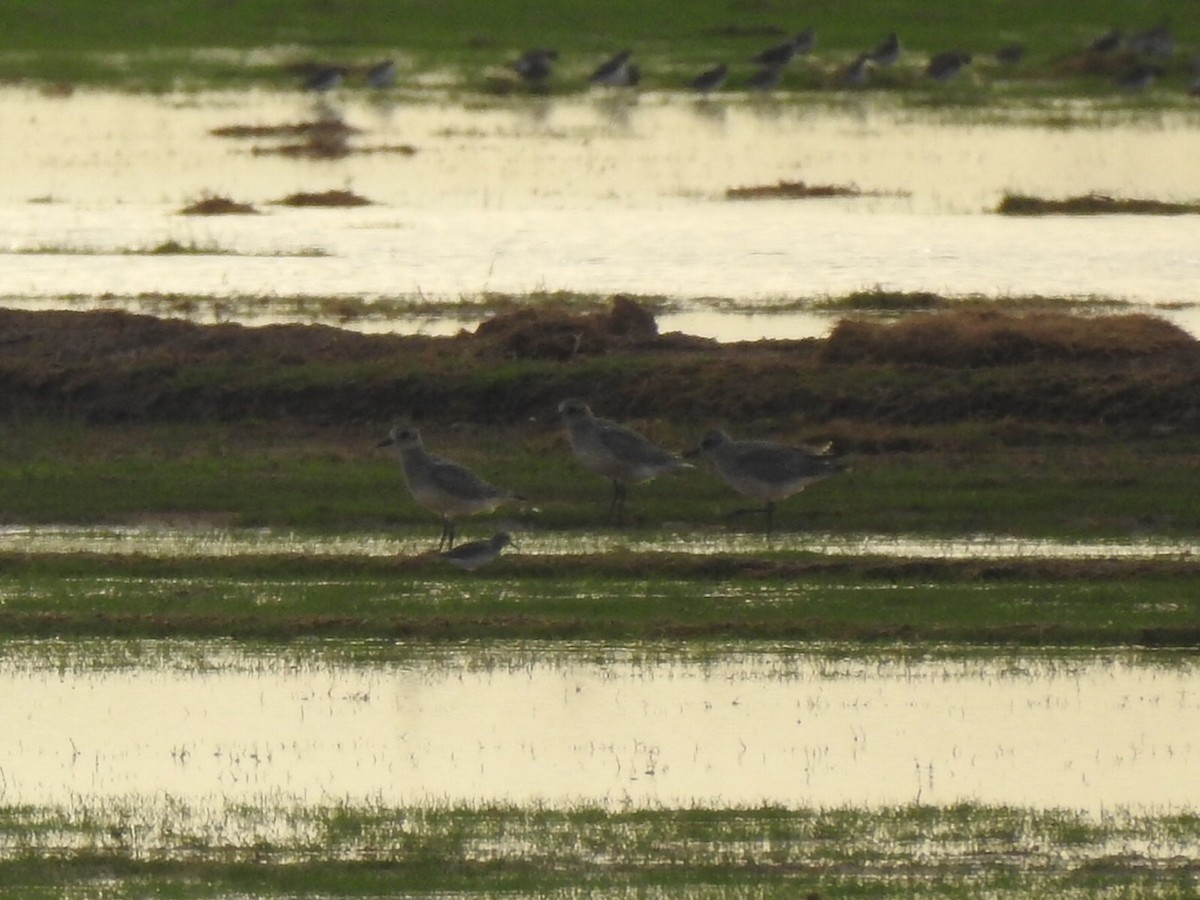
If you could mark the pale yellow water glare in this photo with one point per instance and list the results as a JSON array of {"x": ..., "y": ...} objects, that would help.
[
  {"x": 588, "y": 194},
  {"x": 616, "y": 729}
]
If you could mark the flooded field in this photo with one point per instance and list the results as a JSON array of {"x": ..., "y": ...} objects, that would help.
[
  {"x": 166, "y": 541},
  {"x": 212, "y": 724},
  {"x": 586, "y": 195}
]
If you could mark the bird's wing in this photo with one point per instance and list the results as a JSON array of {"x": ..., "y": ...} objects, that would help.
[
  {"x": 459, "y": 480},
  {"x": 628, "y": 444}
]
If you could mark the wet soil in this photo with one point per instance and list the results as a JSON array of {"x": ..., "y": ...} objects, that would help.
[{"x": 1028, "y": 378}]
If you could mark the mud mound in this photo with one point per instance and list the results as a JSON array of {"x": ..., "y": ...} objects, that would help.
[
  {"x": 218, "y": 206},
  {"x": 555, "y": 333},
  {"x": 975, "y": 339}
]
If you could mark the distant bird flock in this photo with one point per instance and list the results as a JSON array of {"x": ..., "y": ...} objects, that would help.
[
  {"x": 761, "y": 471},
  {"x": 1132, "y": 61}
]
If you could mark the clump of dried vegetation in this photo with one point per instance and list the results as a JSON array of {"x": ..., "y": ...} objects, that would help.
[
  {"x": 218, "y": 206},
  {"x": 973, "y": 339},
  {"x": 324, "y": 198},
  {"x": 1090, "y": 205},
  {"x": 798, "y": 190}
]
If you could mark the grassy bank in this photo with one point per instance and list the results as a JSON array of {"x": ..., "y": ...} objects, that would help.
[
  {"x": 148, "y": 45},
  {"x": 952, "y": 422},
  {"x": 342, "y": 851},
  {"x": 624, "y": 596}
]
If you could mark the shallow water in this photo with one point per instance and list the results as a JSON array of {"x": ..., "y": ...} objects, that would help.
[
  {"x": 207, "y": 724},
  {"x": 156, "y": 540},
  {"x": 590, "y": 196}
]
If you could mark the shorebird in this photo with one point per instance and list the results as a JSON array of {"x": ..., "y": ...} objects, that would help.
[
  {"x": 536, "y": 65},
  {"x": 710, "y": 79},
  {"x": 472, "y": 555},
  {"x": 442, "y": 486},
  {"x": 1010, "y": 54},
  {"x": 782, "y": 54},
  {"x": 766, "y": 79},
  {"x": 888, "y": 52},
  {"x": 325, "y": 78},
  {"x": 1157, "y": 42},
  {"x": 1110, "y": 42},
  {"x": 945, "y": 66},
  {"x": 762, "y": 470},
  {"x": 1139, "y": 77},
  {"x": 857, "y": 73},
  {"x": 616, "y": 71},
  {"x": 382, "y": 74},
  {"x": 615, "y": 452}
]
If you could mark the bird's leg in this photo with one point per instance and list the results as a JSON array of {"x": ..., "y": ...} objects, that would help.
[
  {"x": 616, "y": 508},
  {"x": 748, "y": 509},
  {"x": 770, "y": 517},
  {"x": 447, "y": 539}
]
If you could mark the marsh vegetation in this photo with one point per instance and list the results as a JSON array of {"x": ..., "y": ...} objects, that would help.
[{"x": 1021, "y": 467}]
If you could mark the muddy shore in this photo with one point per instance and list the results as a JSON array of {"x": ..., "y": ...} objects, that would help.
[{"x": 870, "y": 383}]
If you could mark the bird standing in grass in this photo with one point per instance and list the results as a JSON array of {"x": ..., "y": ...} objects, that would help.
[
  {"x": 888, "y": 51},
  {"x": 947, "y": 65},
  {"x": 710, "y": 79},
  {"x": 782, "y": 54},
  {"x": 615, "y": 452},
  {"x": 616, "y": 71},
  {"x": 442, "y": 486},
  {"x": 382, "y": 74},
  {"x": 536, "y": 66},
  {"x": 765, "y": 471}
]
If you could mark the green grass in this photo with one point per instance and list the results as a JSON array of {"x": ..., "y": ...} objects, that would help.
[
  {"x": 344, "y": 851},
  {"x": 146, "y": 45},
  {"x": 620, "y": 595},
  {"x": 285, "y": 475}
]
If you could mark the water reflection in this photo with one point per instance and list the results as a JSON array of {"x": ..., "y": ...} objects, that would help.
[
  {"x": 165, "y": 540},
  {"x": 588, "y": 194},
  {"x": 638, "y": 727}
]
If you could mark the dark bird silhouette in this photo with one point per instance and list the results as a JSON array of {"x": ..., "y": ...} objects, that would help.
[
  {"x": 782, "y": 54},
  {"x": 616, "y": 71},
  {"x": 947, "y": 65},
  {"x": 536, "y": 66},
  {"x": 710, "y": 79},
  {"x": 888, "y": 52}
]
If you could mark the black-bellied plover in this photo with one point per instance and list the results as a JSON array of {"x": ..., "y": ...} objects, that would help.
[
  {"x": 382, "y": 74},
  {"x": 323, "y": 79},
  {"x": 535, "y": 66},
  {"x": 947, "y": 65},
  {"x": 710, "y": 79},
  {"x": 765, "y": 79},
  {"x": 888, "y": 51},
  {"x": 617, "y": 71},
  {"x": 442, "y": 486},
  {"x": 615, "y": 452},
  {"x": 765, "y": 471},
  {"x": 782, "y": 54}
]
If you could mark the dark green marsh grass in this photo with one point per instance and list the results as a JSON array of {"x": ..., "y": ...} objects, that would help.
[
  {"x": 340, "y": 850},
  {"x": 1091, "y": 205},
  {"x": 616, "y": 596},
  {"x": 153, "y": 46},
  {"x": 293, "y": 476}
]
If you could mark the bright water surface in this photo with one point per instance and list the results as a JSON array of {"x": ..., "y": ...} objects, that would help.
[
  {"x": 589, "y": 195},
  {"x": 212, "y": 725}
]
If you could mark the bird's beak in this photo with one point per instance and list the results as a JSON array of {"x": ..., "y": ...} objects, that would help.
[{"x": 386, "y": 442}]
